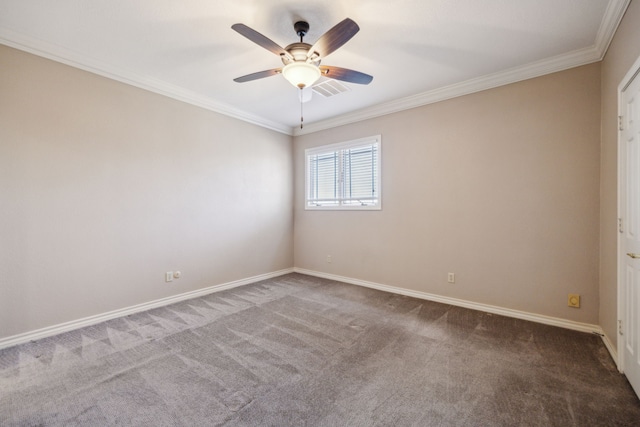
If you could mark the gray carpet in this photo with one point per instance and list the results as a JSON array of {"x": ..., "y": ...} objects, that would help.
[{"x": 302, "y": 351}]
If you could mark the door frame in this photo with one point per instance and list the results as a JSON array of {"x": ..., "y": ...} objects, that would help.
[{"x": 634, "y": 72}]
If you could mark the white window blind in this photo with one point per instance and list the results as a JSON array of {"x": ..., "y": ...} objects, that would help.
[{"x": 344, "y": 175}]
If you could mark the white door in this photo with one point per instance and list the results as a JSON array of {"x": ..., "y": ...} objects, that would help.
[{"x": 630, "y": 214}]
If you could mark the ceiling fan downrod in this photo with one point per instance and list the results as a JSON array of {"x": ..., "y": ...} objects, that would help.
[{"x": 301, "y": 28}]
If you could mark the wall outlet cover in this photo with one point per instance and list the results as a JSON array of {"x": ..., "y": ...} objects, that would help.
[{"x": 574, "y": 300}]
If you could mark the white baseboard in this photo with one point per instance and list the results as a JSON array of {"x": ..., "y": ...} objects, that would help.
[
  {"x": 92, "y": 320},
  {"x": 612, "y": 349},
  {"x": 538, "y": 318}
]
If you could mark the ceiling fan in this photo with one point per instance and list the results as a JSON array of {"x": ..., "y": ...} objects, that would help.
[{"x": 301, "y": 60}]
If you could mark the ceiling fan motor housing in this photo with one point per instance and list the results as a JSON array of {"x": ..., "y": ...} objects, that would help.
[{"x": 298, "y": 52}]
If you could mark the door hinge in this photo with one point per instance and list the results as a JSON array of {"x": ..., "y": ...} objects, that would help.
[
  {"x": 620, "y": 327},
  {"x": 620, "y": 124},
  {"x": 620, "y": 225}
]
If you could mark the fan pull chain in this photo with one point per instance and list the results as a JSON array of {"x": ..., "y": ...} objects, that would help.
[{"x": 301, "y": 111}]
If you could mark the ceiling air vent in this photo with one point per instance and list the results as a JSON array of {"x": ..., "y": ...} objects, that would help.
[{"x": 330, "y": 88}]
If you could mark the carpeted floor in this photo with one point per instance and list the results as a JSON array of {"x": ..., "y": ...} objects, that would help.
[{"x": 302, "y": 351}]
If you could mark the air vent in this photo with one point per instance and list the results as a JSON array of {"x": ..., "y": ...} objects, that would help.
[{"x": 330, "y": 88}]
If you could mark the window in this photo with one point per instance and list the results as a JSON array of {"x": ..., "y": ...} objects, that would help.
[{"x": 344, "y": 175}]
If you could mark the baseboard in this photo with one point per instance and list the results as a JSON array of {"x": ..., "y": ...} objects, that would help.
[
  {"x": 612, "y": 349},
  {"x": 92, "y": 320},
  {"x": 538, "y": 318}
]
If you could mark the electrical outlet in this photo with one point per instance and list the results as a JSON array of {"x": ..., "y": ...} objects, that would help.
[
  {"x": 177, "y": 274},
  {"x": 574, "y": 300},
  {"x": 168, "y": 276},
  {"x": 451, "y": 277},
  {"x": 329, "y": 259}
]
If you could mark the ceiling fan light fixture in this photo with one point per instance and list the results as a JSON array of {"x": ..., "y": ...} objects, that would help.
[{"x": 301, "y": 74}]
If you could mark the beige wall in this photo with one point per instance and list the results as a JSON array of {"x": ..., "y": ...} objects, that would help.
[
  {"x": 104, "y": 187},
  {"x": 500, "y": 187},
  {"x": 623, "y": 52}
]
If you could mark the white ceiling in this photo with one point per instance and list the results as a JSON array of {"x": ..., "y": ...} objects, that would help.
[{"x": 419, "y": 51}]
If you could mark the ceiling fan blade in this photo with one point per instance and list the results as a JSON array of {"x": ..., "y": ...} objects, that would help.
[
  {"x": 259, "y": 39},
  {"x": 345, "y": 75},
  {"x": 334, "y": 38},
  {"x": 258, "y": 75}
]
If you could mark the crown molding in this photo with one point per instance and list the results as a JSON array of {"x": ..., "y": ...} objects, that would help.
[
  {"x": 83, "y": 62},
  {"x": 610, "y": 21},
  {"x": 490, "y": 81},
  {"x": 613, "y": 15}
]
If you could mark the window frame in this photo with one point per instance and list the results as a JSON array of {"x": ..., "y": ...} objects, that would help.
[{"x": 336, "y": 147}]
